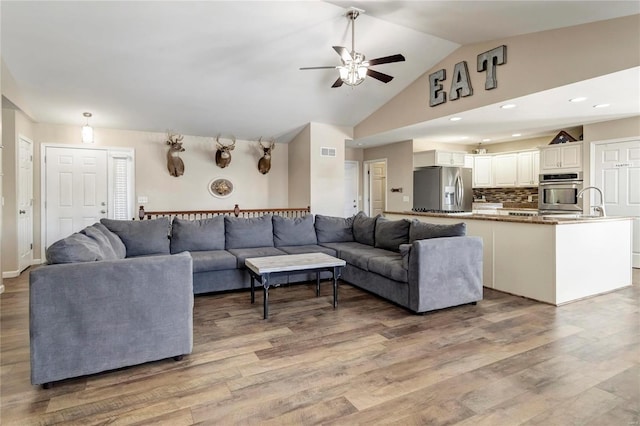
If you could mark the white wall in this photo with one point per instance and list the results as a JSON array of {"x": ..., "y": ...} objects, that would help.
[
  {"x": 327, "y": 173},
  {"x": 299, "y": 167},
  {"x": 399, "y": 158}
]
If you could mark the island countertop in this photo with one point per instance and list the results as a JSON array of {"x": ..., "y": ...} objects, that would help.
[{"x": 540, "y": 220}]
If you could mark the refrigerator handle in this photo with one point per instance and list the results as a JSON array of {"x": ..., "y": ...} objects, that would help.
[{"x": 459, "y": 191}]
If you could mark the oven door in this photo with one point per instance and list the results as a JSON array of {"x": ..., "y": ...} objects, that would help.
[{"x": 559, "y": 197}]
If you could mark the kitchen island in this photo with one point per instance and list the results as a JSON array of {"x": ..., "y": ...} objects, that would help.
[{"x": 550, "y": 259}]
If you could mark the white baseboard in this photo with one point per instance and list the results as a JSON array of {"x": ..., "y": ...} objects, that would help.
[
  {"x": 1, "y": 288},
  {"x": 10, "y": 274}
]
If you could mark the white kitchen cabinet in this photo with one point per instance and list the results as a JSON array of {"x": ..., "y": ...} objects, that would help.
[
  {"x": 505, "y": 170},
  {"x": 482, "y": 172},
  {"x": 562, "y": 156},
  {"x": 439, "y": 158},
  {"x": 468, "y": 161},
  {"x": 528, "y": 168}
]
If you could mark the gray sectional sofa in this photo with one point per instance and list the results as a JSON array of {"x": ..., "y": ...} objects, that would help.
[{"x": 120, "y": 293}]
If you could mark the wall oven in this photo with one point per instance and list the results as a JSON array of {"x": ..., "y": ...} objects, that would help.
[{"x": 558, "y": 193}]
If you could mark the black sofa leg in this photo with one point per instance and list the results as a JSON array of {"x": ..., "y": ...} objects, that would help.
[
  {"x": 178, "y": 357},
  {"x": 474, "y": 303},
  {"x": 47, "y": 385}
]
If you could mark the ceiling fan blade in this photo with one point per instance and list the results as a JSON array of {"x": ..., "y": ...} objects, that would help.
[
  {"x": 344, "y": 53},
  {"x": 385, "y": 78},
  {"x": 387, "y": 60},
  {"x": 338, "y": 83},
  {"x": 319, "y": 68}
]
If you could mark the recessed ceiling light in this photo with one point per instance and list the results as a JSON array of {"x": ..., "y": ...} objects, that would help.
[
  {"x": 578, "y": 99},
  {"x": 359, "y": 143},
  {"x": 508, "y": 106},
  {"x": 486, "y": 140},
  {"x": 601, "y": 105},
  {"x": 515, "y": 135},
  {"x": 455, "y": 119},
  {"x": 464, "y": 137}
]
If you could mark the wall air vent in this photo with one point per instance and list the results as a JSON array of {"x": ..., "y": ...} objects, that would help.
[{"x": 327, "y": 152}]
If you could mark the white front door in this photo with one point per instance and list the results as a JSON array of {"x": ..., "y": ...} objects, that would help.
[
  {"x": 350, "y": 188},
  {"x": 25, "y": 204},
  {"x": 75, "y": 190},
  {"x": 617, "y": 173},
  {"x": 378, "y": 185}
]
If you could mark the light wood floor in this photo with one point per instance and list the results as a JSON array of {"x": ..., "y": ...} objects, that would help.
[{"x": 506, "y": 361}]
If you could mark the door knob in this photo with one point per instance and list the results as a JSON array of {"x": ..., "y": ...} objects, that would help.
[
  {"x": 103, "y": 211},
  {"x": 22, "y": 211}
]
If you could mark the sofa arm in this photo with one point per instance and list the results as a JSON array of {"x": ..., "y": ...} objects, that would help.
[
  {"x": 96, "y": 316},
  {"x": 445, "y": 272}
]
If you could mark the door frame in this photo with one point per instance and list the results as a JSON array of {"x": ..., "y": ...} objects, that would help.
[
  {"x": 358, "y": 197},
  {"x": 21, "y": 137},
  {"x": 111, "y": 152},
  {"x": 367, "y": 183}
]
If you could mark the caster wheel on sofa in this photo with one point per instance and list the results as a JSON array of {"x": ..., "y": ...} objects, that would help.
[{"x": 178, "y": 357}]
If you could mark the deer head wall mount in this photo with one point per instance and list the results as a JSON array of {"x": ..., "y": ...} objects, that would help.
[
  {"x": 223, "y": 152},
  {"x": 174, "y": 162},
  {"x": 264, "y": 164}
]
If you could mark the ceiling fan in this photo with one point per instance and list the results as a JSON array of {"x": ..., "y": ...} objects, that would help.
[{"x": 354, "y": 67}]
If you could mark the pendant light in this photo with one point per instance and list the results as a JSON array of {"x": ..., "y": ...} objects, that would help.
[{"x": 87, "y": 131}]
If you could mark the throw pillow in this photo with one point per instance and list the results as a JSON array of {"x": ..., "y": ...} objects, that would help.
[
  {"x": 248, "y": 233},
  {"x": 390, "y": 234},
  {"x": 197, "y": 235},
  {"x": 141, "y": 237},
  {"x": 74, "y": 248},
  {"x": 116, "y": 243},
  {"x": 422, "y": 231},
  {"x": 293, "y": 232},
  {"x": 364, "y": 228},
  {"x": 103, "y": 242},
  {"x": 331, "y": 229}
]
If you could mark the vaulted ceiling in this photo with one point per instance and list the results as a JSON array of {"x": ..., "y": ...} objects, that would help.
[{"x": 208, "y": 68}]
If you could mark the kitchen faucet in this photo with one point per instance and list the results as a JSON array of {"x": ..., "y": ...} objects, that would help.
[{"x": 599, "y": 208}]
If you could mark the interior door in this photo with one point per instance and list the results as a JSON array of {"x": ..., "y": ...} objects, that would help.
[
  {"x": 617, "y": 173},
  {"x": 75, "y": 190},
  {"x": 350, "y": 188},
  {"x": 25, "y": 204},
  {"x": 378, "y": 177}
]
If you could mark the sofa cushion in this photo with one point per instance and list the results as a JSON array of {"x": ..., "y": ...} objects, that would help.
[
  {"x": 391, "y": 233},
  {"x": 109, "y": 243},
  {"x": 390, "y": 267},
  {"x": 244, "y": 253},
  {"x": 309, "y": 248},
  {"x": 405, "y": 251},
  {"x": 360, "y": 257},
  {"x": 74, "y": 248},
  {"x": 243, "y": 232},
  {"x": 422, "y": 231},
  {"x": 364, "y": 228},
  {"x": 197, "y": 235},
  {"x": 331, "y": 229},
  {"x": 141, "y": 237},
  {"x": 293, "y": 232},
  {"x": 213, "y": 260},
  {"x": 350, "y": 245}
]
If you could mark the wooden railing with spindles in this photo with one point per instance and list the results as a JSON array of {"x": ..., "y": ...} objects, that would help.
[{"x": 292, "y": 212}]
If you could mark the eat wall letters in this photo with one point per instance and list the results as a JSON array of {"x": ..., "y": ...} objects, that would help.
[{"x": 461, "y": 83}]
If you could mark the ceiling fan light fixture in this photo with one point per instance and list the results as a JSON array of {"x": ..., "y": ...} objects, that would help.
[{"x": 352, "y": 73}]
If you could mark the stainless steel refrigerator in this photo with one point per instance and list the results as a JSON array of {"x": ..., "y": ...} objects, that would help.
[{"x": 442, "y": 189}]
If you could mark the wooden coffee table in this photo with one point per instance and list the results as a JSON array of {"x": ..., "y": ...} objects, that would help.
[{"x": 264, "y": 268}]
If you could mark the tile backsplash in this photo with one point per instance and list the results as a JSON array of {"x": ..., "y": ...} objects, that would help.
[{"x": 506, "y": 195}]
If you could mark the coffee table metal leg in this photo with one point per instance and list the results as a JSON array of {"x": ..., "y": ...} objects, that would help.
[
  {"x": 253, "y": 291},
  {"x": 317, "y": 283},
  {"x": 335, "y": 287},
  {"x": 265, "y": 286}
]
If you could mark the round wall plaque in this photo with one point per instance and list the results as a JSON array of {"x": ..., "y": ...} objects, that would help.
[{"x": 220, "y": 187}]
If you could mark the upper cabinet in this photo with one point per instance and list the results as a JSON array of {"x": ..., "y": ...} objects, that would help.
[
  {"x": 439, "y": 158},
  {"x": 482, "y": 171},
  {"x": 528, "y": 168},
  {"x": 505, "y": 170},
  {"x": 561, "y": 156}
]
